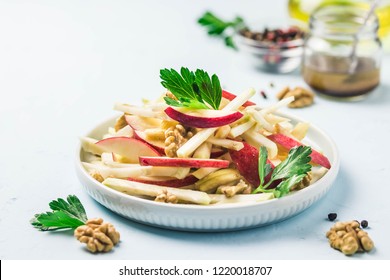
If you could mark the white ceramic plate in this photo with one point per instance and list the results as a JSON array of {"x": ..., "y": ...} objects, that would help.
[{"x": 224, "y": 217}]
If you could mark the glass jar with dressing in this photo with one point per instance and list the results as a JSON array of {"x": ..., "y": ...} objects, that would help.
[{"x": 341, "y": 56}]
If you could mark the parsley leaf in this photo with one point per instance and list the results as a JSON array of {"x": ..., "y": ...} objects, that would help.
[
  {"x": 192, "y": 90},
  {"x": 210, "y": 90},
  {"x": 284, "y": 187},
  {"x": 180, "y": 85},
  {"x": 291, "y": 171},
  {"x": 297, "y": 162},
  {"x": 173, "y": 102},
  {"x": 218, "y": 27},
  {"x": 72, "y": 207},
  {"x": 67, "y": 214},
  {"x": 50, "y": 221}
]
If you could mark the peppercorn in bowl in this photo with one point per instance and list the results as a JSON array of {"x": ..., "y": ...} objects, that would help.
[{"x": 275, "y": 50}]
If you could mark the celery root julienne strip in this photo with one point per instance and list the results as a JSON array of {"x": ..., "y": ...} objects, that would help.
[
  {"x": 261, "y": 120},
  {"x": 203, "y": 172},
  {"x": 139, "y": 111},
  {"x": 241, "y": 128},
  {"x": 137, "y": 171},
  {"x": 226, "y": 143},
  {"x": 191, "y": 145},
  {"x": 278, "y": 105},
  {"x": 135, "y": 188},
  {"x": 89, "y": 145},
  {"x": 203, "y": 151},
  {"x": 258, "y": 140}
]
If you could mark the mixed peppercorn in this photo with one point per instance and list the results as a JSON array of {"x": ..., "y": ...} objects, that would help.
[{"x": 273, "y": 35}]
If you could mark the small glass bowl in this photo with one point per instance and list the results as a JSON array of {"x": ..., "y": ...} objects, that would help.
[{"x": 280, "y": 57}]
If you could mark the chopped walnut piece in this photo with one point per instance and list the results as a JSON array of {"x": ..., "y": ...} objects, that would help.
[
  {"x": 97, "y": 176},
  {"x": 175, "y": 137},
  {"x": 303, "y": 97},
  {"x": 166, "y": 197},
  {"x": 302, "y": 184},
  {"x": 99, "y": 236},
  {"x": 230, "y": 191},
  {"x": 248, "y": 189}
]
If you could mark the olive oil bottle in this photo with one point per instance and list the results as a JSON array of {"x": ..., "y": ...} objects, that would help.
[{"x": 301, "y": 10}]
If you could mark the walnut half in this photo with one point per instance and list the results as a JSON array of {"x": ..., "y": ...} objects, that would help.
[
  {"x": 303, "y": 97},
  {"x": 98, "y": 236},
  {"x": 349, "y": 238},
  {"x": 175, "y": 137}
]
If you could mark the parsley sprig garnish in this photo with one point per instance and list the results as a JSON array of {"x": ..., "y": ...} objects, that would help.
[
  {"x": 192, "y": 90},
  {"x": 290, "y": 171},
  {"x": 66, "y": 214},
  {"x": 218, "y": 27}
]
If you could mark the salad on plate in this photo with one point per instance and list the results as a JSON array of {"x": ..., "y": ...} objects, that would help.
[{"x": 199, "y": 144}]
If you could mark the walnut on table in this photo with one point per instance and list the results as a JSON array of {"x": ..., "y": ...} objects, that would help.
[
  {"x": 303, "y": 97},
  {"x": 97, "y": 235},
  {"x": 349, "y": 238}
]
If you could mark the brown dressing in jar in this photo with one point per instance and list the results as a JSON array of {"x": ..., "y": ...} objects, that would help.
[
  {"x": 329, "y": 75},
  {"x": 342, "y": 56}
]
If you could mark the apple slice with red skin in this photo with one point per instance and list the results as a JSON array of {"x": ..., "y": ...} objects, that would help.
[
  {"x": 173, "y": 183},
  {"x": 289, "y": 143},
  {"x": 129, "y": 148},
  {"x": 247, "y": 163},
  {"x": 200, "y": 121},
  {"x": 231, "y": 96},
  {"x": 159, "y": 146},
  {"x": 183, "y": 162},
  {"x": 217, "y": 152}
]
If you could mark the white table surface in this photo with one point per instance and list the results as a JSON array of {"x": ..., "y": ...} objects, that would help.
[{"x": 63, "y": 64}]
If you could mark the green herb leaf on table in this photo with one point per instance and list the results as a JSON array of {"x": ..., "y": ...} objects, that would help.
[
  {"x": 68, "y": 214},
  {"x": 192, "y": 90},
  {"x": 291, "y": 170},
  {"x": 218, "y": 27},
  {"x": 72, "y": 207},
  {"x": 50, "y": 221}
]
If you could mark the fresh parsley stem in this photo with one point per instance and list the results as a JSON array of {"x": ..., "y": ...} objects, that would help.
[{"x": 262, "y": 189}]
